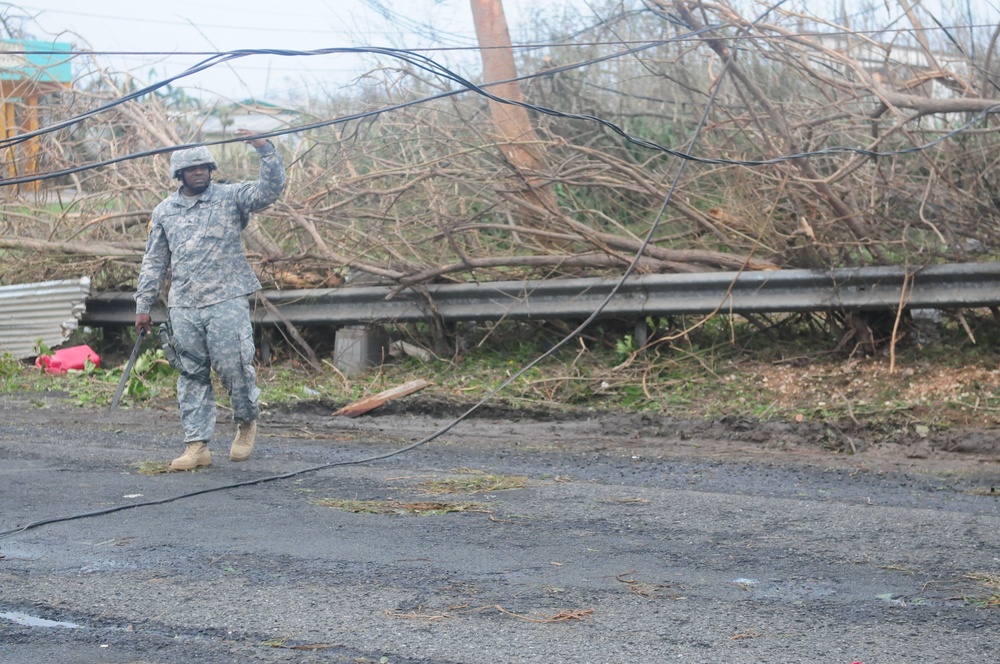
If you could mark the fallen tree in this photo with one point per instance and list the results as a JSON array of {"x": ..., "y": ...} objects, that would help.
[{"x": 430, "y": 192}]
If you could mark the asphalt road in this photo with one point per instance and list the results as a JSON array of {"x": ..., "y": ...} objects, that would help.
[{"x": 631, "y": 540}]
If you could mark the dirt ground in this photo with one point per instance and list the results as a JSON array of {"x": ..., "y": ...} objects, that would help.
[{"x": 969, "y": 444}]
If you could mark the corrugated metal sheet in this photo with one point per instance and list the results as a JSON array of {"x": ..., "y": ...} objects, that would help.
[{"x": 48, "y": 310}]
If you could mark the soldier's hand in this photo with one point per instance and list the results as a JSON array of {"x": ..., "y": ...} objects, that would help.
[
  {"x": 143, "y": 323},
  {"x": 256, "y": 142}
]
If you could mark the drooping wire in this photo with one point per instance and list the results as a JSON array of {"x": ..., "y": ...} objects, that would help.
[
  {"x": 429, "y": 65},
  {"x": 418, "y": 60},
  {"x": 211, "y": 61}
]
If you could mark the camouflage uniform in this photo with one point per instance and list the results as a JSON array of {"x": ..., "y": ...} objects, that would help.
[{"x": 199, "y": 239}]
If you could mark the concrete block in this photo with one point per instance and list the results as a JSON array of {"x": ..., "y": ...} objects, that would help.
[{"x": 357, "y": 348}]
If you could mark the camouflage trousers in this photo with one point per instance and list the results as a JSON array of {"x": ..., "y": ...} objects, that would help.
[{"x": 218, "y": 337}]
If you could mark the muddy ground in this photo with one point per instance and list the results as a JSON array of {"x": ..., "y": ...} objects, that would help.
[{"x": 629, "y": 538}]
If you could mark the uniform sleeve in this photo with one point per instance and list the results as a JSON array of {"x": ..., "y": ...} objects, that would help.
[
  {"x": 153, "y": 272},
  {"x": 254, "y": 196}
]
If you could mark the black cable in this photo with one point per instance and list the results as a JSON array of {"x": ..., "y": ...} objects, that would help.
[
  {"x": 273, "y": 478},
  {"x": 412, "y": 56},
  {"x": 215, "y": 59},
  {"x": 220, "y": 57},
  {"x": 429, "y": 65},
  {"x": 420, "y": 61}
]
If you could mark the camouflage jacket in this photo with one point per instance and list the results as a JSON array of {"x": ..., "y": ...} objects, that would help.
[{"x": 201, "y": 241}]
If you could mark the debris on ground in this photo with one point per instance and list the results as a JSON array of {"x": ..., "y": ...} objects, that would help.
[{"x": 370, "y": 403}]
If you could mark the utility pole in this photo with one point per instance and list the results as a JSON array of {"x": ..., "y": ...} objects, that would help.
[{"x": 515, "y": 134}]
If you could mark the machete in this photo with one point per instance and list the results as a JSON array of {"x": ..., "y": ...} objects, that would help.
[{"x": 128, "y": 370}]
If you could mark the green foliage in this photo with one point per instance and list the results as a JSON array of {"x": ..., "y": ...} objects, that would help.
[
  {"x": 16, "y": 376},
  {"x": 288, "y": 384},
  {"x": 9, "y": 366},
  {"x": 41, "y": 348},
  {"x": 625, "y": 346},
  {"x": 150, "y": 368},
  {"x": 150, "y": 374}
]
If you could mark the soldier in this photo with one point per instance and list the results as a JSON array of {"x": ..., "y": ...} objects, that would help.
[{"x": 196, "y": 233}]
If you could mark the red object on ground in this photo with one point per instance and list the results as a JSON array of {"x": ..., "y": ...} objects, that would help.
[{"x": 66, "y": 359}]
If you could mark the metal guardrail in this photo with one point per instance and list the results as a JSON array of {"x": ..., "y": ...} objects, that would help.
[{"x": 961, "y": 285}]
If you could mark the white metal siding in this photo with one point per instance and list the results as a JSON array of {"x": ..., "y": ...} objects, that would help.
[{"x": 48, "y": 310}]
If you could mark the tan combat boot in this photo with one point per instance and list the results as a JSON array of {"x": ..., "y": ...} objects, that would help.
[
  {"x": 246, "y": 432},
  {"x": 195, "y": 456}
]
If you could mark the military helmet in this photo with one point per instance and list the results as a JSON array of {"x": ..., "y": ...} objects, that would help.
[{"x": 189, "y": 157}]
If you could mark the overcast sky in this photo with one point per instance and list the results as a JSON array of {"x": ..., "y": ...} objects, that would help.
[
  {"x": 166, "y": 28},
  {"x": 221, "y": 25}
]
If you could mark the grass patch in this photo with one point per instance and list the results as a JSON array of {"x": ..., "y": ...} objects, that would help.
[
  {"x": 152, "y": 467},
  {"x": 990, "y": 584},
  {"x": 159, "y": 468},
  {"x": 419, "y": 508},
  {"x": 473, "y": 482},
  {"x": 94, "y": 386}
]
